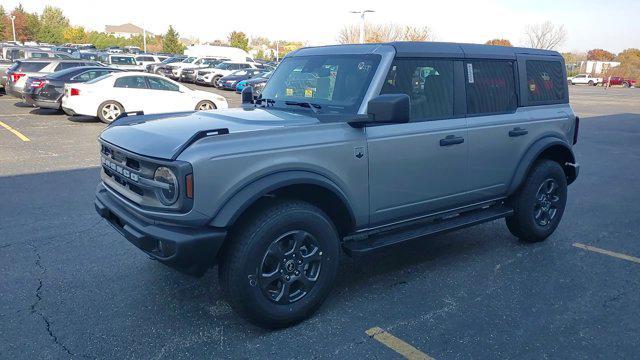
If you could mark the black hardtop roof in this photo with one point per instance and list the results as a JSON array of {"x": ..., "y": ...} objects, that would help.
[{"x": 439, "y": 49}]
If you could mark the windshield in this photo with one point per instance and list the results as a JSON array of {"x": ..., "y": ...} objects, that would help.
[
  {"x": 123, "y": 60},
  {"x": 223, "y": 66},
  {"x": 188, "y": 60},
  {"x": 335, "y": 83}
]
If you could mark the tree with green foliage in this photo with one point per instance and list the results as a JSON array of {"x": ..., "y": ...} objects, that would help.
[
  {"x": 32, "y": 26},
  {"x": 75, "y": 35},
  {"x": 171, "y": 42},
  {"x": 3, "y": 24},
  {"x": 239, "y": 40},
  {"x": 52, "y": 25}
]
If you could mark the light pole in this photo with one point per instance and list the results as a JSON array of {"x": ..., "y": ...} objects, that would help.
[
  {"x": 144, "y": 39},
  {"x": 13, "y": 26},
  {"x": 362, "y": 13}
]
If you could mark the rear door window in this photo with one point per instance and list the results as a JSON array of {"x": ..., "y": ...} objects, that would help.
[
  {"x": 67, "y": 65},
  {"x": 491, "y": 87},
  {"x": 32, "y": 66},
  {"x": 545, "y": 82},
  {"x": 90, "y": 75},
  {"x": 131, "y": 82},
  {"x": 428, "y": 83}
]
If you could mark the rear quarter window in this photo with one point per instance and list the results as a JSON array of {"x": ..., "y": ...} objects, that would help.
[{"x": 545, "y": 81}]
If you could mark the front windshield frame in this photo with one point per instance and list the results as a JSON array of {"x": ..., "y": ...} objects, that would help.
[{"x": 329, "y": 64}]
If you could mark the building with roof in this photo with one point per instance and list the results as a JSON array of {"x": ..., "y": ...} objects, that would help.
[{"x": 125, "y": 30}]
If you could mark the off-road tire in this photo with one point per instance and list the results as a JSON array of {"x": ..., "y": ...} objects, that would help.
[
  {"x": 527, "y": 202},
  {"x": 242, "y": 261}
]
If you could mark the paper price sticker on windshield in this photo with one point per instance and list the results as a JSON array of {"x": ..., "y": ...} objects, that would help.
[
  {"x": 308, "y": 92},
  {"x": 470, "y": 72},
  {"x": 289, "y": 92}
]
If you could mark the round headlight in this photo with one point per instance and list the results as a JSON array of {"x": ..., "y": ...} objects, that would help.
[{"x": 166, "y": 176}]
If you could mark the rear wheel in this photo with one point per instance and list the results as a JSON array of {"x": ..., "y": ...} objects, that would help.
[
  {"x": 626, "y": 84},
  {"x": 109, "y": 111},
  {"x": 540, "y": 203},
  {"x": 214, "y": 81},
  {"x": 205, "y": 105},
  {"x": 591, "y": 83},
  {"x": 281, "y": 263}
]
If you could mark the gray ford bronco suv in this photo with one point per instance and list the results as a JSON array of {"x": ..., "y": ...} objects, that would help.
[{"x": 352, "y": 147}]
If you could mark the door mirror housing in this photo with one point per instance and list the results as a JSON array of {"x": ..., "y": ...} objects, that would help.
[
  {"x": 247, "y": 95},
  {"x": 387, "y": 108}
]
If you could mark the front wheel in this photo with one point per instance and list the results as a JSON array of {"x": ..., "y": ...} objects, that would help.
[
  {"x": 591, "y": 83},
  {"x": 280, "y": 263},
  {"x": 205, "y": 105},
  {"x": 539, "y": 204},
  {"x": 109, "y": 111}
]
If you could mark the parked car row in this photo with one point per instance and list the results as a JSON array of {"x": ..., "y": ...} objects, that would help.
[
  {"x": 587, "y": 79},
  {"x": 80, "y": 87},
  {"x": 219, "y": 72}
]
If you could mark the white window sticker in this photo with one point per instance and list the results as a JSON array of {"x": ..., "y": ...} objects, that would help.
[{"x": 470, "y": 72}]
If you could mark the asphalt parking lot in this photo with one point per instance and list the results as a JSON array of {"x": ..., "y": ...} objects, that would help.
[{"x": 71, "y": 287}]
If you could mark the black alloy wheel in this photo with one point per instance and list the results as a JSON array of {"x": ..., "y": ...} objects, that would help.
[{"x": 290, "y": 267}]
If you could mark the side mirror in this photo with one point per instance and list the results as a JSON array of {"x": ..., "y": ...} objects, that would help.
[
  {"x": 247, "y": 95},
  {"x": 387, "y": 108}
]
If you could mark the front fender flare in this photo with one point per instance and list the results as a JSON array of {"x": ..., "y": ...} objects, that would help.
[
  {"x": 530, "y": 157},
  {"x": 245, "y": 197}
]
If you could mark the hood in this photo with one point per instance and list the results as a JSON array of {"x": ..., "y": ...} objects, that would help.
[{"x": 165, "y": 136}]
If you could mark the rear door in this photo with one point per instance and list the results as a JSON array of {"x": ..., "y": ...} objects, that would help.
[
  {"x": 492, "y": 103},
  {"x": 504, "y": 118},
  {"x": 420, "y": 167}
]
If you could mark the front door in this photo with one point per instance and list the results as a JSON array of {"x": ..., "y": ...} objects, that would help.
[{"x": 419, "y": 167}]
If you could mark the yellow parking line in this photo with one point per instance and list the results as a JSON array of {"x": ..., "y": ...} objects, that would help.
[
  {"x": 397, "y": 345},
  {"x": 607, "y": 252},
  {"x": 15, "y": 132}
]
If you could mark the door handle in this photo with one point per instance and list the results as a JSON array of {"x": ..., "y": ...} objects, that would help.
[
  {"x": 518, "y": 131},
  {"x": 451, "y": 140}
]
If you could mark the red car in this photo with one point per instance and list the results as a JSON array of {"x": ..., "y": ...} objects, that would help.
[{"x": 617, "y": 80}]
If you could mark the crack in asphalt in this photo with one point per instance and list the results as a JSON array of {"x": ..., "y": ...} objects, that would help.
[
  {"x": 35, "y": 309},
  {"x": 47, "y": 240}
]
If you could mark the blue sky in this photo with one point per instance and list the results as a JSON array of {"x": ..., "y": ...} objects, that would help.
[{"x": 613, "y": 25}]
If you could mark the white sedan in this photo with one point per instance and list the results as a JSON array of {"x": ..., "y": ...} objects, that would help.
[{"x": 109, "y": 96}]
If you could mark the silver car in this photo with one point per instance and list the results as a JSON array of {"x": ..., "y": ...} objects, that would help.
[
  {"x": 18, "y": 73},
  {"x": 352, "y": 147}
]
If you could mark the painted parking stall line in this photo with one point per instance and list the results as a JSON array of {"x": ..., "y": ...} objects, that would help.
[
  {"x": 389, "y": 340},
  {"x": 15, "y": 132},
  {"x": 607, "y": 252}
]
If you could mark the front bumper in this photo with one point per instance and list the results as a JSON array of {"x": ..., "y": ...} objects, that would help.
[
  {"x": 191, "y": 250},
  {"x": 188, "y": 77}
]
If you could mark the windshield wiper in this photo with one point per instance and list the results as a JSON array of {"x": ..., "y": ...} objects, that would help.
[{"x": 306, "y": 104}]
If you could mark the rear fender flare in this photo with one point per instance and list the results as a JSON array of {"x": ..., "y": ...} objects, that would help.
[{"x": 532, "y": 154}]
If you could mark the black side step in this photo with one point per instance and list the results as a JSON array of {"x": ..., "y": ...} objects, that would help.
[{"x": 393, "y": 237}]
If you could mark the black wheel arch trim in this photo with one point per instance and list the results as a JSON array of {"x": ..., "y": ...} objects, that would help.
[
  {"x": 242, "y": 199},
  {"x": 532, "y": 154}
]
